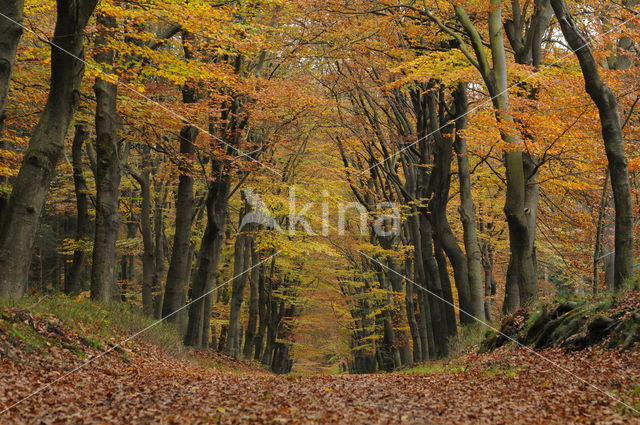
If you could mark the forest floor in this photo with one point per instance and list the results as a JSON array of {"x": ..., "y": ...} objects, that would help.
[{"x": 142, "y": 384}]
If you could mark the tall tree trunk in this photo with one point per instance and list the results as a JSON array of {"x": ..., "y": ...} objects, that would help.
[
  {"x": 410, "y": 307},
  {"x": 199, "y": 325},
  {"x": 263, "y": 314},
  {"x": 600, "y": 227},
  {"x": 241, "y": 263},
  {"x": 607, "y": 104},
  {"x": 451, "y": 326},
  {"x": 75, "y": 281},
  {"x": 160, "y": 246},
  {"x": 103, "y": 268},
  {"x": 149, "y": 270},
  {"x": 467, "y": 209},
  {"x": 22, "y": 214},
  {"x": 399, "y": 312},
  {"x": 174, "y": 293},
  {"x": 439, "y": 187},
  {"x": 254, "y": 299},
  {"x": 10, "y": 32},
  {"x": 516, "y": 209}
]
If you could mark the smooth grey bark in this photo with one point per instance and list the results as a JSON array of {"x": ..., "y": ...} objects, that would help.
[
  {"x": 263, "y": 316},
  {"x": 103, "y": 267},
  {"x": 451, "y": 326},
  {"x": 233, "y": 124},
  {"x": 160, "y": 252},
  {"x": 495, "y": 76},
  {"x": 149, "y": 270},
  {"x": 254, "y": 300},
  {"x": 175, "y": 288},
  {"x": 241, "y": 263},
  {"x": 180, "y": 264},
  {"x": 75, "y": 281},
  {"x": 467, "y": 208},
  {"x": 10, "y": 33},
  {"x": 22, "y": 214},
  {"x": 390, "y": 339},
  {"x": 410, "y": 307},
  {"x": 525, "y": 34},
  {"x": 439, "y": 187},
  {"x": 399, "y": 313},
  {"x": 516, "y": 209},
  {"x": 600, "y": 227},
  {"x": 489, "y": 280},
  {"x": 199, "y": 324},
  {"x": 607, "y": 103}
]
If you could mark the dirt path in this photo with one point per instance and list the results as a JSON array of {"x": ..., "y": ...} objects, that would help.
[{"x": 146, "y": 387}]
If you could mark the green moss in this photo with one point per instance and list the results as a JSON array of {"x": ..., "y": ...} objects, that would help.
[
  {"x": 96, "y": 323},
  {"x": 436, "y": 368},
  {"x": 501, "y": 370}
]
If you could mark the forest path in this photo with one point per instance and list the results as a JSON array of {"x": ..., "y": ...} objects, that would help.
[{"x": 147, "y": 387}]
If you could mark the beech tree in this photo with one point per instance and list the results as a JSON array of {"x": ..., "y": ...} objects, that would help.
[
  {"x": 353, "y": 183},
  {"x": 22, "y": 214}
]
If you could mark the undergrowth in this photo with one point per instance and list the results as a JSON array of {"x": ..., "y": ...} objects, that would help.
[{"x": 98, "y": 323}]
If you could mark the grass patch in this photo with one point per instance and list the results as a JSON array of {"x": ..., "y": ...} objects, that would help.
[
  {"x": 501, "y": 370},
  {"x": 436, "y": 368},
  {"x": 468, "y": 340},
  {"x": 98, "y": 323}
]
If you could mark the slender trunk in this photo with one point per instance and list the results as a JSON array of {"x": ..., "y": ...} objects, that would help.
[
  {"x": 439, "y": 187},
  {"x": 149, "y": 270},
  {"x": 399, "y": 313},
  {"x": 199, "y": 324},
  {"x": 420, "y": 277},
  {"x": 516, "y": 208},
  {"x": 607, "y": 104},
  {"x": 241, "y": 259},
  {"x": 447, "y": 305},
  {"x": 597, "y": 250},
  {"x": 160, "y": 247},
  {"x": 10, "y": 33},
  {"x": 391, "y": 354},
  {"x": 467, "y": 209},
  {"x": 254, "y": 281},
  {"x": 489, "y": 281},
  {"x": 263, "y": 313},
  {"x": 22, "y": 214},
  {"x": 103, "y": 268},
  {"x": 175, "y": 288},
  {"x": 410, "y": 307},
  {"x": 435, "y": 311},
  {"x": 75, "y": 281}
]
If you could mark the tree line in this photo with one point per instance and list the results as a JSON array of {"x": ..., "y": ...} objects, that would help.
[{"x": 128, "y": 181}]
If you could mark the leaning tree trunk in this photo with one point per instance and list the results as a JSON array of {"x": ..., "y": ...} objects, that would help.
[
  {"x": 21, "y": 217},
  {"x": 103, "y": 268},
  {"x": 607, "y": 104},
  {"x": 10, "y": 32},
  {"x": 74, "y": 282}
]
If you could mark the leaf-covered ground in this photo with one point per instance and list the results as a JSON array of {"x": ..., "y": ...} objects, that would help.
[{"x": 142, "y": 385}]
